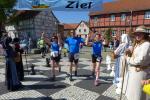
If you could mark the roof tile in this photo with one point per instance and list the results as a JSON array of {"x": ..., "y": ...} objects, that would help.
[
  {"x": 70, "y": 26},
  {"x": 123, "y": 6}
]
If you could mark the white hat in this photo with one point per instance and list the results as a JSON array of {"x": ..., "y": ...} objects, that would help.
[{"x": 141, "y": 29}]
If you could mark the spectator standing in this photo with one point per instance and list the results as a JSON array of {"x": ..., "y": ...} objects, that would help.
[
  {"x": 12, "y": 80},
  {"x": 139, "y": 64},
  {"x": 18, "y": 59},
  {"x": 116, "y": 43},
  {"x": 41, "y": 44}
]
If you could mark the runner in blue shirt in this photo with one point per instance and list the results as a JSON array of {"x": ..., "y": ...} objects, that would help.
[
  {"x": 96, "y": 56},
  {"x": 74, "y": 46},
  {"x": 55, "y": 55}
]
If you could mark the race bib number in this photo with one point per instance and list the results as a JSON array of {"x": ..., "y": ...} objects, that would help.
[
  {"x": 99, "y": 59},
  {"x": 54, "y": 53},
  {"x": 76, "y": 56}
]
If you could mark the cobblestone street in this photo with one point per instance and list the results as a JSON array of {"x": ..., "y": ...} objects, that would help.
[{"x": 40, "y": 86}]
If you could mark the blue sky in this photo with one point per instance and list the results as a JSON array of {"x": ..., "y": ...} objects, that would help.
[{"x": 73, "y": 17}]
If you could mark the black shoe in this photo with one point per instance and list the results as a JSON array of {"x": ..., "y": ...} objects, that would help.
[
  {"x": 17, "y": 87},
  {"x": 70, "y": 78},
  {"x": 53, "y": 78},
  {"x": 75, "y": 73},
  {"x": 93, "y": 74},
  {"x": 59, "y": 69}
]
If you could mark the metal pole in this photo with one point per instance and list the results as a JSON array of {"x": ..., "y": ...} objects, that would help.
[
  {"x": 131, "y": 20},
  {"x": 123, "y": 81},
  {"x": 26, "y": 62}
]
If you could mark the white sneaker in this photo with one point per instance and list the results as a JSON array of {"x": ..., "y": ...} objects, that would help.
[
  {"x": 118, "y": 91},
  {"x": 112, "y": 73},
  {"x": 119, "y": 85},
  {"x": 108, "y": 67},
  {"x": 119, "y": 79}
]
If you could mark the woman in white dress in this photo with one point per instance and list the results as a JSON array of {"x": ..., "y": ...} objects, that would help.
[
  {"x": 120, "y": 61},
  {"x": 138, "y": 64}
]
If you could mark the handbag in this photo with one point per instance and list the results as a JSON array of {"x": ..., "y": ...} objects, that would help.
[
  {"x": 17, "y": 57},
  {"x": 113, "y": 55},
  {"x": 146, "y": 89}
]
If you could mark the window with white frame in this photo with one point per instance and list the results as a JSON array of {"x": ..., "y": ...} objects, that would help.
[
  {"x": 148, "y": 30},
  {"x": 102, "y": 32},
  {"x": 114, "y": 32},
  {"x": 112, "y": 18},
  {"x": 123, "y": 17},
  {"x": 123, "y": 32},
  {"x": 79, "y": 30},
  {"x": 95, "y": 19},
  {"x": 147, "y": 15}
]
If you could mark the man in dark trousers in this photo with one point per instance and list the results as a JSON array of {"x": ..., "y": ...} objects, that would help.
[{"x": 74, "y": 43}]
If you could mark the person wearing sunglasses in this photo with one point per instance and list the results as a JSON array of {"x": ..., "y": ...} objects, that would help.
[
  {"x": 55, "y": 55},
  {"x": 138, "y": 64}
]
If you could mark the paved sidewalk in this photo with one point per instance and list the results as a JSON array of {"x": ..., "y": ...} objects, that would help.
[{"x": 40, "y": 86}]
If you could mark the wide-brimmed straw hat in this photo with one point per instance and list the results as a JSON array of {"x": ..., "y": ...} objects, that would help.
[{"x": 141, "y": 29}]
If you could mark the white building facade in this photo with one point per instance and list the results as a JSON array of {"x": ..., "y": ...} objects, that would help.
[{"x": 82, "y": 29}]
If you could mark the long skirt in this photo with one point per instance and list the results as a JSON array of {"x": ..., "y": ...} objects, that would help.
[
  {"x": 20, "y": 70},
  {"x": 12, "y": 81},
  {"x": 117, "y": 69},
  {"x": 123, "y": 66},
  {"x": 134, "y": 86}
]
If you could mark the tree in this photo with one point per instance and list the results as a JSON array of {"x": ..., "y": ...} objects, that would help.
[
  {"x": 108, "y": 35},
  {"x": 5, "y": 11}
]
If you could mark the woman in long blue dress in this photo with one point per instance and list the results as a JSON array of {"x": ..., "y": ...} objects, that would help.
[{"x": 12, "y": 81}]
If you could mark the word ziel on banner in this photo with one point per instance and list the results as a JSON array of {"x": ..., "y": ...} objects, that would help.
[
  {"x": 59, "y": 5},
  {"x": 74, "y": 4}
]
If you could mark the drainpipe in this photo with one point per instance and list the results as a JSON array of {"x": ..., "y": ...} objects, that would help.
[{"x": 131, "y": 20}]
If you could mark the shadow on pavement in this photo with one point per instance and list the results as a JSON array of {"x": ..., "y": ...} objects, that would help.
[
  {"x": 38, "y": 98},
  {"x": 45, "y": 86}
]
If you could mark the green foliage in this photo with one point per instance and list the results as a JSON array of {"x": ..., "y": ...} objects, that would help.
[
  {"x": 5, "y": 7},
  {"x": 2, "y": 15},
  {"x": 7, "y": 3},
  {"x": 108, "y": 35}
]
